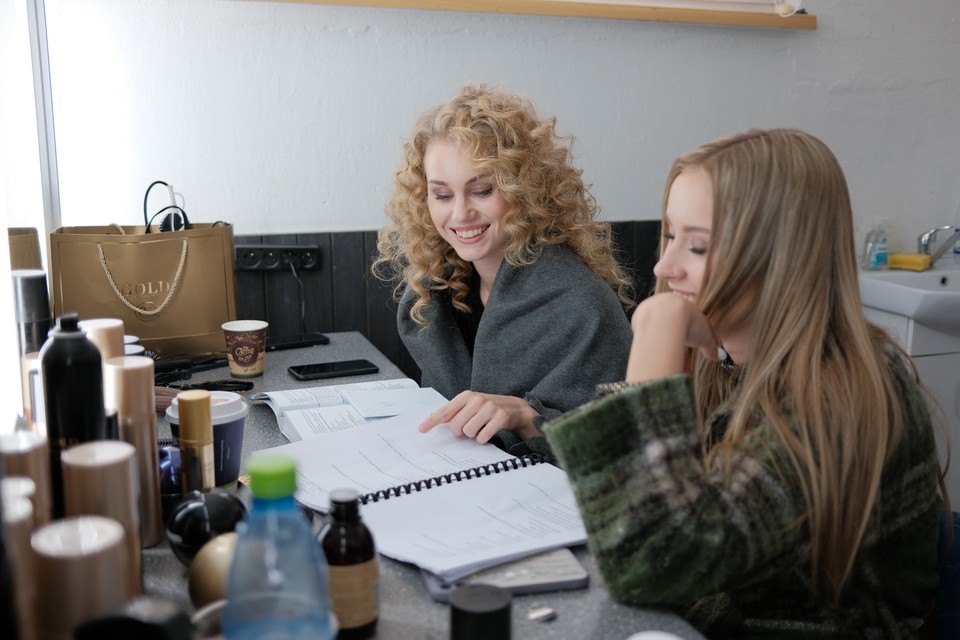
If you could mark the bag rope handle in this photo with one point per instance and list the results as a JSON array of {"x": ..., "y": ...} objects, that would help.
[{"x": 134, "y": 308}]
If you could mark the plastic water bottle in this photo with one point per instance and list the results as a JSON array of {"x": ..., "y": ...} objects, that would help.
[{"x": 277, "y": 588}]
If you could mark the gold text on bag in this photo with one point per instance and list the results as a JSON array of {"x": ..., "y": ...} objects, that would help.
[
  {"x": 172, "y": 289},
  {"x": 144, "y": 290}
]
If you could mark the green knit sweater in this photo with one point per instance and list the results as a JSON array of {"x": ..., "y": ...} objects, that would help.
[{"x": 666, "y": 532}]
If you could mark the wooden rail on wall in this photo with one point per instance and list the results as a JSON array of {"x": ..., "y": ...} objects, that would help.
[{"x": 614, "y": 10}]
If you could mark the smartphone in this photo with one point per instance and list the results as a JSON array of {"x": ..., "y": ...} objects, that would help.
[
  {"x": 332, "y": 369},
  {"x": 556, "y": 570}
]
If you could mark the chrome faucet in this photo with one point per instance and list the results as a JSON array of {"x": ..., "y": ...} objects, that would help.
[{"x": 926, "y": 239}]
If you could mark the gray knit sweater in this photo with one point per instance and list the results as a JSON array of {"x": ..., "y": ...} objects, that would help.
[
  {"x": 550, "y": 332},
  {"x": 667, "y": 532}
]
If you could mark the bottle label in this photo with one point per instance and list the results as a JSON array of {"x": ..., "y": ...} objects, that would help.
[
  {"x": 878, "y": 259},
  {"x": 354, "y": 593}
]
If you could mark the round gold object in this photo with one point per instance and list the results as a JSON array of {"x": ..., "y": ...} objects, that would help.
[{"x": 210, "y": 569}]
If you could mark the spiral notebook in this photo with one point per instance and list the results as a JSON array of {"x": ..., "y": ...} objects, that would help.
[
  {"x": 460, "y": 475},
  {"x": 449, "y": 505}
]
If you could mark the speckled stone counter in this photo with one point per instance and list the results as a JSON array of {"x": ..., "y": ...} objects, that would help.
[{"x": 407, "y": 612}]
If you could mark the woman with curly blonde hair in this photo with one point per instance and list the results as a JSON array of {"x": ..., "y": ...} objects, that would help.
[
  {"x": 789, "y": 487},
  {"x": 512, "y": 301}
]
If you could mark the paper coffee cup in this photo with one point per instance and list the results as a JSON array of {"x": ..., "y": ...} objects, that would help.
[
  {"x": 246, "y": 347},
  {"x": 228, "y": 412}
]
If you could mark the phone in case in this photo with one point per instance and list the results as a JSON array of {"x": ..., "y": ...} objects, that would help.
[
  {"x": 555, "y": 570},
  {"x": 339, "y": 369}
]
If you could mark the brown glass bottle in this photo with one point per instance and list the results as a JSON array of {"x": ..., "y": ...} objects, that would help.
[{"x": 352, "y": 562}]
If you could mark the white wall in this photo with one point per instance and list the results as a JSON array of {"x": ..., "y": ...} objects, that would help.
[
  {"x": 20, "y": 188},
  {"x": 288, "y": 118}
]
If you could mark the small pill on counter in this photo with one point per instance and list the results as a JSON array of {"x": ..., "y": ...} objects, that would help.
[{"x": 542, "y": 614}]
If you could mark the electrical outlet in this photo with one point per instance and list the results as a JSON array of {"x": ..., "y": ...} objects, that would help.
[{"x": 273, "y": 257}]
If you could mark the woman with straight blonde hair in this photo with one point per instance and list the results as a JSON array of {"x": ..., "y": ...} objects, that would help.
[
  {"x": 790, "y": 486},
  {"x": 512, "y": 302}
]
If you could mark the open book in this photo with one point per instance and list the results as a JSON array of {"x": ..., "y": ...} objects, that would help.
[
  {"x": 305, "y": 413},
  {"x": 449, "y": 505}
]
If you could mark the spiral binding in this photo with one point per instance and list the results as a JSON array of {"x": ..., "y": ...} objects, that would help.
[{"x": 519, "y": 462}]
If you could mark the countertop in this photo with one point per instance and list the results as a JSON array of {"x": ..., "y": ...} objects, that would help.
[{"x": 407, "y": 612}]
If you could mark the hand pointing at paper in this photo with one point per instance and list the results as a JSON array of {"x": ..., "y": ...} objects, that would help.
[{"x": 481, "y": 415}]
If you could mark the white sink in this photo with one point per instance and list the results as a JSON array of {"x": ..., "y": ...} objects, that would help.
[{"x": 931, "y": 297}]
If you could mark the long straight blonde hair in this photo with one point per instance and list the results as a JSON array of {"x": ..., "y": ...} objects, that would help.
[{"x": 783, "y": 260}]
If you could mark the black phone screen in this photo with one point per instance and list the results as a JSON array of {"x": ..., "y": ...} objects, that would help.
[{"x": 332, "y": 369}]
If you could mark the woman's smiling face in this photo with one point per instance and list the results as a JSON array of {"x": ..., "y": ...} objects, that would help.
[{"x": 466, "y": 208}]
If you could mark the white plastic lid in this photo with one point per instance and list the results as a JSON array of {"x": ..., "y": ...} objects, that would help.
[{"x": 225, "y": 406}]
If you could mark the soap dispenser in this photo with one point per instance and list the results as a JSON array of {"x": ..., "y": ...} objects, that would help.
[{"x": 875, "y": 249}]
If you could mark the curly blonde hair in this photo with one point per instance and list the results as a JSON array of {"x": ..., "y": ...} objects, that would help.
[{"x": 547, "y": 200}]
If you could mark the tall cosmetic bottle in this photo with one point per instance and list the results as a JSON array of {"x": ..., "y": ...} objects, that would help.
[
  {"x": 73, "y": 396},
  {"x": 9, "y": 614},
  {"x": 196, "y": 441},
  {"x": 31, "y": 310},
  {"x": 107, "y": 334},
  {"x": 129, "y": 393}
]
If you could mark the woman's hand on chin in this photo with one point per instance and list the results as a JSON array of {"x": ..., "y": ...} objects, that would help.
[{"x": 664, "y": 326}]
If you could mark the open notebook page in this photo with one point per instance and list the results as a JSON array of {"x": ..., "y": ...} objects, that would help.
[{"x": 453, "y": 529}]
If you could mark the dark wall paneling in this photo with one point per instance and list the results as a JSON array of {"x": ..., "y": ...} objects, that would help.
[
  {"x": 348, "y": 266},
  {"x": 274, "y": 296},
  {"x": 343, "y": 295},
  {"x": 319, "y": 296},
  {"x": 638, "y": 243},
  {"x": 283, "y": 295},
  {"x": 646, "y": 252},
  {"x": 381, "y": 308},
  {"x": 250, "y": 287}
]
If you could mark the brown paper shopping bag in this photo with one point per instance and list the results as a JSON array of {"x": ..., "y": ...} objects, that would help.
[
  {"x": 24, "y": 248},
  {"x": 172, "y": 289}
]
